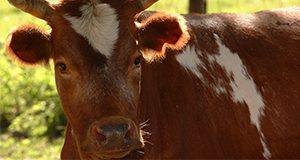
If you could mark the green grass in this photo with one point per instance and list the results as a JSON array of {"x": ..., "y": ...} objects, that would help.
[
  {"x": 247, "y": 6},
  {"x": 41, "y": 148}
]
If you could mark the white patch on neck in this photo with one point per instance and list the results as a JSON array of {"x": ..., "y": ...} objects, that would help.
[
  {"x": 99, "y": 25},
  {"x": 190, "y": 61},
  {"x": 243, "y": 86}
]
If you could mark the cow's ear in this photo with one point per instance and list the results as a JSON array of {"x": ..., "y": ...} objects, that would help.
[
  {"x": 159, "y": 32},
  {"x": 29, "y": 45}
]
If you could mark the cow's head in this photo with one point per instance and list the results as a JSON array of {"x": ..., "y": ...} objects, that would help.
[{"x": 95, "y": 46}]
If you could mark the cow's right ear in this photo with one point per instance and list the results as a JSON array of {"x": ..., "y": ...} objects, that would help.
[
  {"x": 159, "y": 32},
  {"x": 29, "y": 45}
]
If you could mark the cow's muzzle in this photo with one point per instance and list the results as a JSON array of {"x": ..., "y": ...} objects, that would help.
[{"x": 115, "y": 137}]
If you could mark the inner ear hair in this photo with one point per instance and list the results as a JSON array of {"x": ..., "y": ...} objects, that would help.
[
  {"x": 29, "y": 45},
  {"x": 160, "y": 32}
]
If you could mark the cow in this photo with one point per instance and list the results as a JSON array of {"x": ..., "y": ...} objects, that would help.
[{"x": 153, "y": 85}]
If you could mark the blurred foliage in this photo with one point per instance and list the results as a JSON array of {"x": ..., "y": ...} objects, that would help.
[
  {"x": 29, "y": 102},
  {"x": 29, "y": 106},
  {"x": 247, "y": 6},
  {"x": 214, "y": 6},
  {"x": 33, "y": 148},
  {"x": 31, "y": 117}
]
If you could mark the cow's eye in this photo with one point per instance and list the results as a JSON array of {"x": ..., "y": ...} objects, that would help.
[
  {"x": 62, "y": 67},
  {"x": 138, "y": 61}
]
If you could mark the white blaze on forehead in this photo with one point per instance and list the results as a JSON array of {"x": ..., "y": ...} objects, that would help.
[
  {"x": 244, "y": 88},
  {"x": 99, "y": 25},
  {"x": 190, "y": 61}
]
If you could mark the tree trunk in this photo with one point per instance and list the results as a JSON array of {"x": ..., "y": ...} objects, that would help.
[{"x": 197, "y": 6}]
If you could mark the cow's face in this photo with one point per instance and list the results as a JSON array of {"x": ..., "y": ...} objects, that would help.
[
  {"x": 97, "y": 75},
  {"x": 98, "y": 66}
]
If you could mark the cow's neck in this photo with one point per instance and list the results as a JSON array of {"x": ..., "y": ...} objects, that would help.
[{"x": 168, "y": 102}]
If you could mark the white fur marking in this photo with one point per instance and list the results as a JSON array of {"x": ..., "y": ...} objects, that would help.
[
  {"x": 190, "y": 61},
  {"x": 244, "y": 88},
  {"x": 99, "y": 25}
]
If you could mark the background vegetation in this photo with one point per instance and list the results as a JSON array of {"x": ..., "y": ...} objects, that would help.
[{"x": 31, "y": 119}]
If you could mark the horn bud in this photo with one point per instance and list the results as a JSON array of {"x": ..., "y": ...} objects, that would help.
[
  {"x": 38, "y": 8},
  {"x": 144, "y": 4}
]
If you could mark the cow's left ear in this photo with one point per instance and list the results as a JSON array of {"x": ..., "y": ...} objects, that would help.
[{"x": 159, "y": 32}]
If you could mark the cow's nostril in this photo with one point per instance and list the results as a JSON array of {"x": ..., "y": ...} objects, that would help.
[
  {"x": 100, "y": 137},
  {"x": 97, "y": 134}
]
